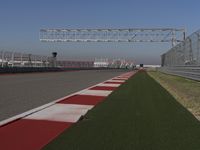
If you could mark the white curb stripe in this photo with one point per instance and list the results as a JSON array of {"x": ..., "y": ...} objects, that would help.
[
  {"x": 115, "y": 81},
  {"x": 121, "y": 78},
  {"x": 109, "y": 85},
  {"x": 61, "y": 113},
  {"x": 95, "y": 92}
]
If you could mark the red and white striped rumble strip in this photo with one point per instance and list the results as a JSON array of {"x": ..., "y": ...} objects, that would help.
[{"x": 34, "y": 129}]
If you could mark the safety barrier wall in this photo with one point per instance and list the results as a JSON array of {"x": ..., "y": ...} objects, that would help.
[
  {"x": 28, "y": 69},
  {"x": 191, "y": 72},
  {"x": 75, "y": 64},
  {"x": 46, "y": 69}
]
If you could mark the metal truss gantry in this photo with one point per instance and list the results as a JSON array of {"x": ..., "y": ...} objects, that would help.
[{"x": 172, "y": 35}]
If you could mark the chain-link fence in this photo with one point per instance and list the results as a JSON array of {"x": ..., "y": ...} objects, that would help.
[
  {"x": 186, "y": 53},
  {"x": 184, "y": 58}
]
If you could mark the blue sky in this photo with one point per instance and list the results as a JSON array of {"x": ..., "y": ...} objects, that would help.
[{"x": 20, "y": 21}]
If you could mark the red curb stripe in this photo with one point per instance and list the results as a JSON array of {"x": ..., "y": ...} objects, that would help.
[
  {"x": 103, "y": 88},
  {"x": 28, "y": 134},
  {"x": 83, "y": 99}
]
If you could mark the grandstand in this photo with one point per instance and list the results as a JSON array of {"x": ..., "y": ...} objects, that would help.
[{"x": 13, "y": 59}]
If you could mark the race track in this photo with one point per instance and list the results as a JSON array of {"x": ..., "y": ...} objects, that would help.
[{"x": 22, "y": 92}]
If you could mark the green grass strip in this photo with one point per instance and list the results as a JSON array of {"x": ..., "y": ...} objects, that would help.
[
  {"x": 185, "y": 91},
  {"x": 140, "y": 115}
]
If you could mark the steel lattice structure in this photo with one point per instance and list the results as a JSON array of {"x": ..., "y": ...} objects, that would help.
[{"x": 113, "y": 35}]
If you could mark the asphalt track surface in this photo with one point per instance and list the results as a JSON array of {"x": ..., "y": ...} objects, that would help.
[{"x": 22, "y": 92}]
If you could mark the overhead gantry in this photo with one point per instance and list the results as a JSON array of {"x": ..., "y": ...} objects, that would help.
[{"x": 172, "y": 35}]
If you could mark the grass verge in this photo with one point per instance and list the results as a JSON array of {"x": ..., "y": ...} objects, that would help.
[
  {"x": 186, "y": 91},
  {"x": 140, "y": 115}
]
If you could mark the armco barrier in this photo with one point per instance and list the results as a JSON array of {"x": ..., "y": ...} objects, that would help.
[{"x": 191, "y": 72}]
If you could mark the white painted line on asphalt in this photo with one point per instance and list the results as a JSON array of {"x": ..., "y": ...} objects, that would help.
[
  {"x": 61, "y": 113},
  {"x": 109, "y": 85},
  {"x": 95, "y": 92}
]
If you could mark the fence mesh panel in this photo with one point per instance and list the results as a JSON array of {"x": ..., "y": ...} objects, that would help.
[{"x": 186, "y": 53}]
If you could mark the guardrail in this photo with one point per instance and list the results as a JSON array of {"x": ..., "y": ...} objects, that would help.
[{"x": 191, "y": 72}]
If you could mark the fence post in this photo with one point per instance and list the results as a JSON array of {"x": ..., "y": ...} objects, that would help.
[{"x": 198, "y": 48}]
